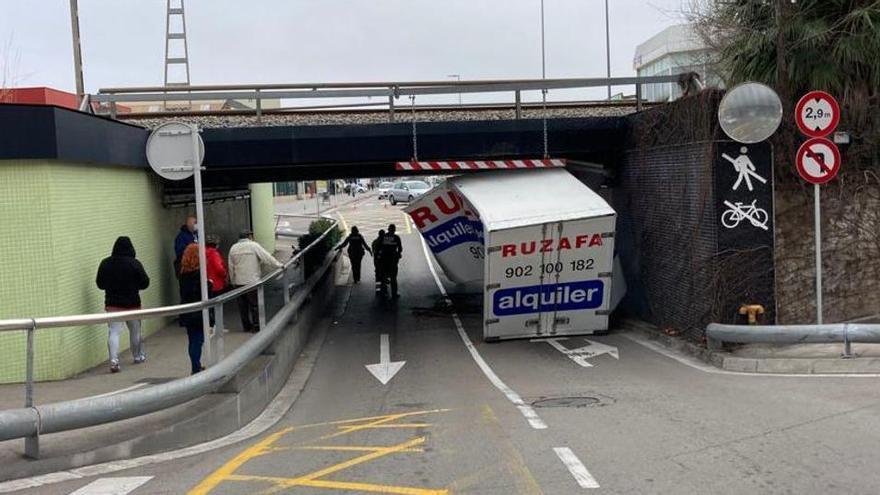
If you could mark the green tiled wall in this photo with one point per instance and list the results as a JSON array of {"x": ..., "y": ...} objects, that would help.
[{"x": 58, "y": 221}]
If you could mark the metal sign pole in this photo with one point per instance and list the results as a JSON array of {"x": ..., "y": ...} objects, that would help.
[
  {"x": 200, "y": 218},
  {"x": 817, "y": 212}
]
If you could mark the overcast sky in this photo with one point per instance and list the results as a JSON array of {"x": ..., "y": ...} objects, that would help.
[{"x": 271, "y": 41}]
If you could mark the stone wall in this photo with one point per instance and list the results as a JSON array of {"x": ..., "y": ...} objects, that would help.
[{"x": 850, "y": 245}]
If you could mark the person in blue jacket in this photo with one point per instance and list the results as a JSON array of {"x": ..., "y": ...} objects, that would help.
[{"x": 188, "y": 234}]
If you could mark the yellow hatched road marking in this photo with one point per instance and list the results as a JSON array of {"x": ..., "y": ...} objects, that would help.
[
  {"x": 312, "y": 480},
  {"x": 265, "y": 446},
  {"x": 343, "y": 448},
  {"x": 260, "y": 448},
  {"x": 340, "y": 485}
]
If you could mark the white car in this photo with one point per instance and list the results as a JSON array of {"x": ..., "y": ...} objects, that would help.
[
  {"x": 383, "y": 189},
  {"x": 406, "y": 191}
]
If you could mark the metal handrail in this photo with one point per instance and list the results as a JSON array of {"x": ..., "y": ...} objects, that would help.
[
  {"x": 33, "y": 420},
  {"x": 139, "y": 314},
  {"x": 845, "y": 333}
]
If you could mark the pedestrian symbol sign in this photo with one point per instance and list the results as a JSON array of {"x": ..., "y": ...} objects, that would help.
[
  {"x": 818, "y": 161},
  {"x": 817, "y": 114},
  {"x": 745, "y": 169}
]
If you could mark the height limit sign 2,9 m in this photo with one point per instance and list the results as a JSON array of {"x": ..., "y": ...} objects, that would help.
[{"x": 818, "y": 161}]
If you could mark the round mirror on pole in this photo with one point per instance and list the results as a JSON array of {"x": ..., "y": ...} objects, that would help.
[{"x": 750, "y": 112}]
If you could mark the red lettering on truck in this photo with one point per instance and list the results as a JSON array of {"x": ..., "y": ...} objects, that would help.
[
  {"x": 550, "y": 245},
  {"x": 424, "y": 215}
]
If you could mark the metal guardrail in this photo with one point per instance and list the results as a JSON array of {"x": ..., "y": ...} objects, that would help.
[
  {"x": 389, "y": 90},
  {"x": 31, "y": 421},
  {"x": 845, "y": 333}
]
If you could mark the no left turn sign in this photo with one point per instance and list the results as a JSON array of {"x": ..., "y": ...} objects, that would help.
[
  {"x": 817, "y": 114},
  {"x": 818, "y": 161}
]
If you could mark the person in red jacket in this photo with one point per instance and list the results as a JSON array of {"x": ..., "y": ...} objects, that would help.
[{"x": 216, "y": 266}]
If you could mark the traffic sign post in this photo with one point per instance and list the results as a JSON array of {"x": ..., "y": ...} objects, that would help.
[
  {"x": 175, "y": 151},
  {"x": 818, "y": 161}
]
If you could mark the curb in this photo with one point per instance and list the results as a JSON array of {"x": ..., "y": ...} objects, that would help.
[{"x": 783, "y": 366}]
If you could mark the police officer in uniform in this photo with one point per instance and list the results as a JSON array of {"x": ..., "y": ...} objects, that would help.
[
  {"x": 391, "y": 252},
  {"x": 377, "y": 261}
]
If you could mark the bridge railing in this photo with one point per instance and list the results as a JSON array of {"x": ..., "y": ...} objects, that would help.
[
  {"x": 108, "y": 99},
  {"x": 33, "y": 420}
]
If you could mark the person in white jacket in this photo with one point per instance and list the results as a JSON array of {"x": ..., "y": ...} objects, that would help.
[{"x": 246, "y": 262}]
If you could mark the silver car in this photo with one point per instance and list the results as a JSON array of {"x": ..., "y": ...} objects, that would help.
[
  {"x": 383, "y": 189},
  {"x": 406, "y": 191}
]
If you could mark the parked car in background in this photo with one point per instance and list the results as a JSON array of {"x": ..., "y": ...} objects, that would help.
[
  {"x": 406, "y": 191},
  {"x": 358, "y": 188},
  {"x": 383, "y": 189}
]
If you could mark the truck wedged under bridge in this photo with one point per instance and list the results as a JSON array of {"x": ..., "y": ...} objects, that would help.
[{"x": 539, "y": 242}]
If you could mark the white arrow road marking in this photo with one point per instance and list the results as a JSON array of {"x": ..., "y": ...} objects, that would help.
[
  {"x": 113, "y": 486},
  {"x": 385, "y": 370},
  {"x": 576, "y": 468},
  {"x": 581, "y": 354}
]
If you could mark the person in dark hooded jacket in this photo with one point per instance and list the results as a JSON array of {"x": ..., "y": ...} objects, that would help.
[{"x": 121, "y": 276}]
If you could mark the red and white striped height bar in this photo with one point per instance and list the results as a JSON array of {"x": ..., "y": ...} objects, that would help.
[{"x": 480, "y": 164}]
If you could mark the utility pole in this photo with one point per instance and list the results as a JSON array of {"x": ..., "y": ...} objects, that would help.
[
  {"x": 543, "y": 51},
  {"x": 77, "y": 52},
  {"x": 608, "y": 48}
]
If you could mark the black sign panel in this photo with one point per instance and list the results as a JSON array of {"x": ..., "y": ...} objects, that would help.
[
  {"x": 744, "y": 193},
  {"x": 744, "y": 215}
]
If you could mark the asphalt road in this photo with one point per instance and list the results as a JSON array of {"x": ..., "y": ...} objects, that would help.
[{"x": 640, "y": 423}]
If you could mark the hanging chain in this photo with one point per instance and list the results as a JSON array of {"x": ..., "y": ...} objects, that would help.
[
  {"x": 544, "y": 118},
  {"x": 415, "y": 152}
]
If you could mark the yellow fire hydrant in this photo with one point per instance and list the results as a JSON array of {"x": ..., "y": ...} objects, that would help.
[{"x": 752, "y": 310}]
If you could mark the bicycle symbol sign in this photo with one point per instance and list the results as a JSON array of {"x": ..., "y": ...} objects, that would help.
[{"x": 737, "y": 212}]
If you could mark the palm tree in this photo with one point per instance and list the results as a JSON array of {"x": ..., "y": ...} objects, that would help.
[{"x": 798, "y": 45}]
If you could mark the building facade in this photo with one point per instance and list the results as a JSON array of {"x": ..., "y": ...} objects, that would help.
[{"x": 675, "y": 50}]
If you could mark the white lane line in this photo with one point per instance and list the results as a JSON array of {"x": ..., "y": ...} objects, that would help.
[
  {"x": 708, "y": 368},
  {"x": 113, "y": 486},
  {"x": 126, "y": 389},
  {"x": 576, "y": 467},
  {"x": 534, "y": 420}
]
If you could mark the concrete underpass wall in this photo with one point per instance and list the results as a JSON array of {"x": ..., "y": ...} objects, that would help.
[
  {"x": 59, "y": 221},
  {"x": 665, "y": 233}
]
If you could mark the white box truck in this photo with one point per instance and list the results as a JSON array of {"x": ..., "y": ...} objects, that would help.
[{"x": 549, "y": 252}]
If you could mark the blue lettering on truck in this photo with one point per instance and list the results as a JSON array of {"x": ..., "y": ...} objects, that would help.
[
  {"x": 569, "y": 296},
  {"x": 452, "y": 233}
]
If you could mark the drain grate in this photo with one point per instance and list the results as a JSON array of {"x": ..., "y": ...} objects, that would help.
[{"x": 568, "y": 402}]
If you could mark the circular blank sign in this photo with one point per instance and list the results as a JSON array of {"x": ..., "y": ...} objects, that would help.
[
  {"x": 750, "y": 113},
  {"x": 170, "y": 151}
]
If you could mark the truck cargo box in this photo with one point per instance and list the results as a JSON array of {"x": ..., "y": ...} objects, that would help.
[{"x": 548, "y": 249}]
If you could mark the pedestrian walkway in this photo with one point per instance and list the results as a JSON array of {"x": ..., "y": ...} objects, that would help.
[{"x": 167, "y": 359}]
